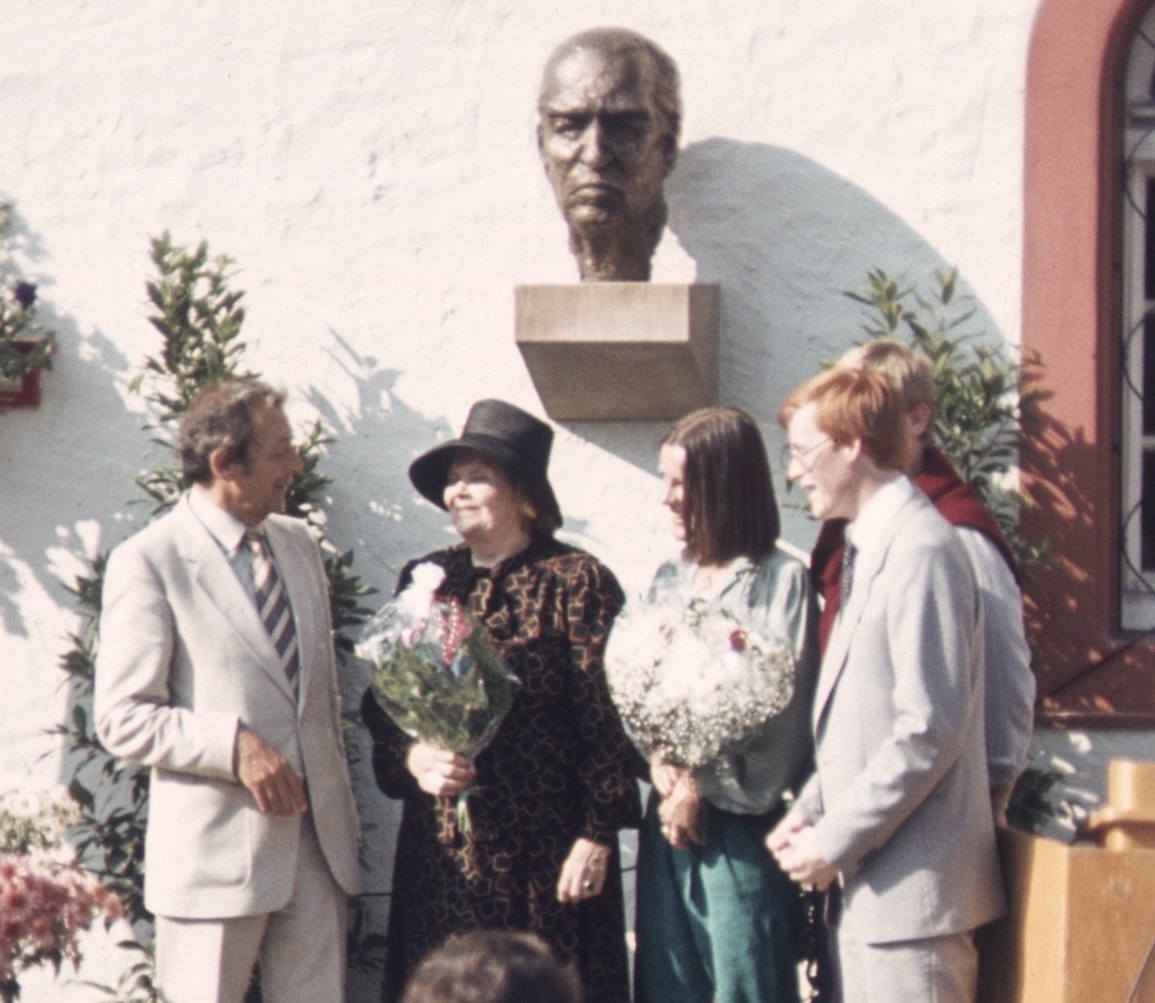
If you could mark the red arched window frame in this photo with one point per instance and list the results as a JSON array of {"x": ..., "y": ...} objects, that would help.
[{"x": 1091, "y": 673}]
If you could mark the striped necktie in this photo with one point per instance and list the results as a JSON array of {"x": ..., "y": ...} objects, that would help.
[
  {"x": 849, "y": 553},
  {"x": 273, "y": 606}
]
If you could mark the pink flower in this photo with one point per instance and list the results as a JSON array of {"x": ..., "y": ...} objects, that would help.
[
  {"x": 455, "y": 629},
  {"x": 411, "y": 636},
  {"x": 44, "y": 906}
]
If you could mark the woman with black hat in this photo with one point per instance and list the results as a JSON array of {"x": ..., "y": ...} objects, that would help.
[{"x": 551, "y": 792}]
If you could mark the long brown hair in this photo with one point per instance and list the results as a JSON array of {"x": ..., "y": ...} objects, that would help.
[{"x": 728, "y": 505}]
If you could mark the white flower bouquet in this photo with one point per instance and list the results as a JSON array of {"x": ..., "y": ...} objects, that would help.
[
  {"x": 435, "y": 671},
  {"x": 691, "y": 682},
  {"x": 33, "y": 820}
]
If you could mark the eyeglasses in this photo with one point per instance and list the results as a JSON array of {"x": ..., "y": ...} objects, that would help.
[{"x": 792, "y": 454}]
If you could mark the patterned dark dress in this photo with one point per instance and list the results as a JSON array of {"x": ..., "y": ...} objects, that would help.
[{"x": 557, "y": 770}]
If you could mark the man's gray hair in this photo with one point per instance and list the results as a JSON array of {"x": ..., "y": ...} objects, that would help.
[
  {"x": 615, "y": 42},
  {"x": 221, "y": 417}
]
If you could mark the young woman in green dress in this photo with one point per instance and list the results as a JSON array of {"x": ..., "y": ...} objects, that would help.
[{"x": 717, "y": 921}]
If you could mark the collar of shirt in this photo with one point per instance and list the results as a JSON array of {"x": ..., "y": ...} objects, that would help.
[
  {"x": 226, "y": 529},
  {"x": 723, "y": 580},
  {"x": 877, "y": 514}
]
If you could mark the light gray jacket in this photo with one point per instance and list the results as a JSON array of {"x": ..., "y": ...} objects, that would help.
[
  {"x": 184, "y": 658},
  {"x": 899, "y": 799}
]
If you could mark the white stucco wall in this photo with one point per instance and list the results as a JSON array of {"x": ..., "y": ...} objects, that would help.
[{"x": 372, "y": 169}]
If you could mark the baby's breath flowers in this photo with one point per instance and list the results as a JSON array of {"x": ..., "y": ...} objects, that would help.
[{"x": 692, "y": 682}]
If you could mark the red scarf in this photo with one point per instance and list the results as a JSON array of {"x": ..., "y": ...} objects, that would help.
[{"x": 955, "y": 499}]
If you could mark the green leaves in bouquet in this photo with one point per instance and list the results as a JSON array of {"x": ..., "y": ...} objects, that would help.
[{"x": 457, "y": 710}]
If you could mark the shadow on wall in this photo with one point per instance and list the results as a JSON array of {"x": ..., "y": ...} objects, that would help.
[
  {"x": 69, "y": 463},
  {"x": 1084, "y": 681},
  {"x": 376, "y": 438},
  {"x": 784, "y": 237}
]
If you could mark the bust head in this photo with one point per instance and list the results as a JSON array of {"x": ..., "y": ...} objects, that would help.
[{"x": 609, "y": 119}]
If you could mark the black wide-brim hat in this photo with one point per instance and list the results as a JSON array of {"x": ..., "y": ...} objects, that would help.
[{"x": 515, "y": 440}]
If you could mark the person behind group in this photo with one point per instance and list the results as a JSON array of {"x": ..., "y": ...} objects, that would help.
[
  {"x": 552, "y": 791},
  {"x": 898, "y": 806},
  {"x": 217, "y": 669},
  {"x": 494, "y": 966},
  {"x": 1010, "y": 683},
  {"x": 717, "y": 920}
]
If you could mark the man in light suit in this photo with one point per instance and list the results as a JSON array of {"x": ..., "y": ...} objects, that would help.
[
  {"x": 216, "y": 669},
  {"x": 1010, "y": 684},
  {"x": 898, "y": 807}
]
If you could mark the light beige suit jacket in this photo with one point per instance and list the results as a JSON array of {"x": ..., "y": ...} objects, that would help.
[
  {"x": 899, "y": 800},
  {"x": 183, "y": 660}
]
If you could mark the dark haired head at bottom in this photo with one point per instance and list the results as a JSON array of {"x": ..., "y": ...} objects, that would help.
[{"x": 494, "y": 966}]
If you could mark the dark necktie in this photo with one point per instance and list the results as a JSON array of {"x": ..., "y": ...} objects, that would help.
[
  {"x": 849, "y": 553},
  {"x": 273, "y": 606}
]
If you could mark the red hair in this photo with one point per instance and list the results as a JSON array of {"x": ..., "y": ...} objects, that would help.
[{"x": 855, "y": 404}]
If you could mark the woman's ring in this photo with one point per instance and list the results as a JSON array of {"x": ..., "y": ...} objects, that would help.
[{"x": 589, "y": 886}]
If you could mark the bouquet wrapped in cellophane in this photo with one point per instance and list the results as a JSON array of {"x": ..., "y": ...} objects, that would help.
[
  {"x": 436, "y": 673},
  {"x": 692, "y": 681}
]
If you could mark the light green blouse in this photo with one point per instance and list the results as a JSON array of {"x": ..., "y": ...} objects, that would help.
[{"x": 773, "y": 595}]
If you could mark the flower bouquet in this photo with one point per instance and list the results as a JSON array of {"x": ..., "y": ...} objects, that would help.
[
  {"x": 435, "y": 671},
  {"x": 46, "y": 900},
  {"x": 691, "y": 682}
]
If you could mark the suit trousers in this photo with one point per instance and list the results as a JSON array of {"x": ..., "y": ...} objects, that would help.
[
  {"x": 930, "y": 970},
  {"x": 301, "y": 947}
]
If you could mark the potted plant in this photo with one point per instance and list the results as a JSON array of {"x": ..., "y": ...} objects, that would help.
[{"x": 25, "y": 346}]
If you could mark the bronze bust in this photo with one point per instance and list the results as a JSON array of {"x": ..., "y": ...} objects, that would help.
[{"x": 609, "y": 119}]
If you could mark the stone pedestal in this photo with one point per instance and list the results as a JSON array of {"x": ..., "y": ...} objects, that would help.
[{"x": 603, "y": 351}]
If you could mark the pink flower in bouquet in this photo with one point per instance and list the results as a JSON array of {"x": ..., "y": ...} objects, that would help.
[
  {"x": 455, "y": 629},
  {"x": 45, "y": 907},
  {"x": 435, "y": 672},
  {"x": 46, "y": 900}
]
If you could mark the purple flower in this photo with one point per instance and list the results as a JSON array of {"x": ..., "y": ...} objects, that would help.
[{"x": 25, "y": 294}]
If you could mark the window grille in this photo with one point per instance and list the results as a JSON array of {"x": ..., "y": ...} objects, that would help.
[{"x": 1137, "y": 459}]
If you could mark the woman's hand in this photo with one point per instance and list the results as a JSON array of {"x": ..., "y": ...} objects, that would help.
[
  {"x": 437, "y": 770},
  {"x": 664, "y": 776},
  {"x": 680, "y": 814},
  {"x": 583, "y": 875}
]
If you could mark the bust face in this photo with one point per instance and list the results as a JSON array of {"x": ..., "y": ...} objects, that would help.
[{"x": 601, "y": 138}]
